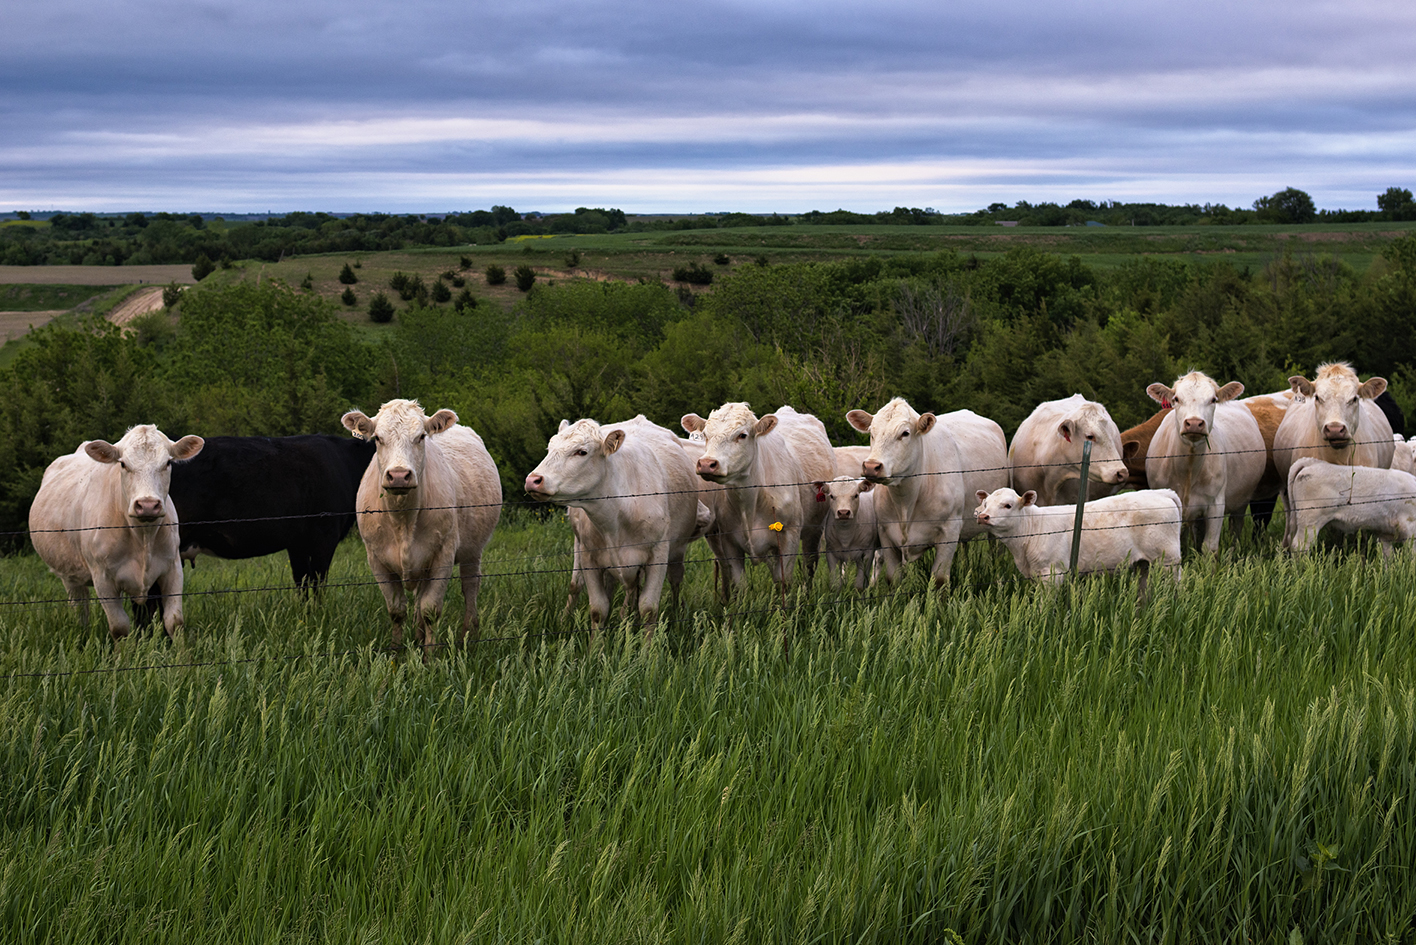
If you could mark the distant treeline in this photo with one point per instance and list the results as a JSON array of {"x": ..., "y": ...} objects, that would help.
[
  {"x": 943, "y": 330},
  {"x": 138, "y": 238}
]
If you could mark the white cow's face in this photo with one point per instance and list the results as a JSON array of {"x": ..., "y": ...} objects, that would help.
[
  {"x": 729, "y": 440},
  {"x": 1194, "y": 400},
  {"x": 895, "y": 440},
  {"x": 399, "y": 432},
  {"x": 1001, "y": 511},
  {"x": 842, "y": 495},
  {"x": 145, "y": 456},
  {"x": 1091, "y": 423},
  {"x": 1337, "y": 401},
  {"x": 575, "y": 464}
]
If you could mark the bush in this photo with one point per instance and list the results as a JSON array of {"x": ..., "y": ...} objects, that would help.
[
  {"x": 398, "y": 282},
  {"x": 380, "y": 309},
  {"x": 307, "y": 284},
  {"x": 525, "y": 278},
  {"x": 458, "y": 282},
  {"x": 349, "y": 298},
  {"x": 695, "y": 274},
  {"x": 441, "y": 293},
  {"x": 722, "y": 259},
  {"x": 496, "y": 275},
  {"x": 346, "y": 275},
  {"x": 466, "y": 301},
  {"x": 447, "y": 275},
  {"x": 171, "y": 294},
  {"x": 572, "y": 259},
  {"x": 203, "y": 267},
  {"x": 465, "y": 263},
  {"x": 413, "y": 288}
]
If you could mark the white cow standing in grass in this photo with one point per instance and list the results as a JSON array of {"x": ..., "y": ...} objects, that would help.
[
  {"x": 102, "y": 518},
  {"x": 1046, "y": 455},
  {"x": 1209, "y": 450},
  {"x": 635, "y": 496},
  {"x": 429, "y": 501},
  {"x": 1352, "y": 498},
  {"x": 852, "y": 535},
  {"x": 1117, "y": 531},
  {"x": 768, "y": 468}
]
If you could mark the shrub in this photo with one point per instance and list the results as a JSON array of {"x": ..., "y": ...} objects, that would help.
[
  {"x": 465, "y": 263},
  {"x": 447, "y": 275},
  {"x": 458, "y": 282},
  {"x": 346, "y": 275},
  {"x": 761, "y": 260},
  {"x": 572, "y": 259},
  {"x": 441, "y": 293},
  {"x": 203, "y": 267},
  {"x": 398, "y": 281},
  {"x": 695, "y": 274},
  {"x": 349, "y": 298},
  {"x": 413, "y": 288},
  {"x": 722, "y": 259},
  {"x": 308, "y": 283},
  {"x": 171, "y": 294},
  {"x": 380, "y": 309},
  {"x": 496, "y": 275},
  {"x": 525, "y": 278},
  {"x": 466, "y": 301}
]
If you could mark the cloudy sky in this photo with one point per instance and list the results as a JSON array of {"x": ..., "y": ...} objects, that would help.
[{"x": 700, "y": 106}]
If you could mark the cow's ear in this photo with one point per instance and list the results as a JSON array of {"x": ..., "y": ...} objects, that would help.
[
  {"x": 1064, "y": 429},
  {"x": 1130, "y": 448},
  {"x": 1159, "y": 393},
  {"x": 1029, "y": 498},
  {"x": 1301, "y": 385},
  {"x": 564, "y": 424},
  {"x": 185, "y": 448},
  {"x": 865, "y": 486},
  {"x": 356, "y": 423},
  {"x": 925, "y": 423},
  {"x": 766, "y": 425},
  {"x": 692, "y": 423},
  {"x": 1229, "y": 391},
  {"x": 102, "y": 451},
  {"x": 613, "y": 441},
  {"x": 1373, "y": 388},
  {"x": 980, "y": 495},
  {"x": 860, "y": 420},
  {"x": 440, "y": 421}
]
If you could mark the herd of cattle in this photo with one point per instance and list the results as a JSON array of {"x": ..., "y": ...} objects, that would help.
[{"x": 426, "y": 494}]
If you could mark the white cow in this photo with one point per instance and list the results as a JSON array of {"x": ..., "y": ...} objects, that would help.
[
  {"x": 1046, "y": 455},
  {"x": 1353, "y": 498},
  {"x": 102, "y": 518},
  {"x": 851, "y": 535},
  {"x": 724, "y": 533},
  {"x": 926, "y": 471},
  {"x": 1117, "y": 531},
  {"x": 1402, "y": 457},
  {"x": 637, "y": 496},
  {"x": 769, "y": 467},
  {"x": 428, "y": 501},
  {"x": 1334, "y": 420},
  {"x": 1209, "y": 450}
]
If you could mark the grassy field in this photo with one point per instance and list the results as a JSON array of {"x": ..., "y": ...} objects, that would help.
[{"x": 1232, "y": 762}]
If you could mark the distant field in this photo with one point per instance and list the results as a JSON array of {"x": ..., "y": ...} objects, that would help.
[
  {"x": 95, "y": 275},
  {"x": 37, "y": 297}
]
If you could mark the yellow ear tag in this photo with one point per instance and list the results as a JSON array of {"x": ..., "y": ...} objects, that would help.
[{"x": 775, "y": 526}]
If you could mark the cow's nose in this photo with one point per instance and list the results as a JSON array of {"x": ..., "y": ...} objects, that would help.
[
  {"x": 707, "y": 465},
  {"x": 1120, "y": 475},
  {"x": 1335, "y": 431},
  {"x": 843, "y": 513},
  {"x": 873, "y": 468},
  {"x": 398, "y": 477},
  {"x": 982, "y": 518},
  {"x": 147, "y": 508},
  {"x": 1194, "y": 425},
  {"x": 535, "y": 483}
]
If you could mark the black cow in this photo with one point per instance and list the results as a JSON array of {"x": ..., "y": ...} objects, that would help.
[{"x": 244, "y": 496}]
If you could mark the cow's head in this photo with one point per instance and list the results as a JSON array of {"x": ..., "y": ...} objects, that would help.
[
  {"x": 575, "y": 462},
  {"x": 842, "y": 495},
  {"x": 1194, "y": 399},
  {"x": 1337, "y": 398},
  {"x": 145, "y": 456},
  {"x": 729, "y": 440},
  {"x": 895, "y": 440},
  {"x": 399, "y": 432},
  {"x": 1090, "y": 422},
  {"x": 1000, "y": 511}
]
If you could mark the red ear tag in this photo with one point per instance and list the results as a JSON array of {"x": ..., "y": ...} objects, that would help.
[
  {"x": 1164, "y": 404},
  {"x": 1067, "y": 437},
  {"x": 820, "y": 496}
]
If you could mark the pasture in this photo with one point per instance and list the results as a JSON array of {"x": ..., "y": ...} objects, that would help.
[{"x": 1232, "y": 761}]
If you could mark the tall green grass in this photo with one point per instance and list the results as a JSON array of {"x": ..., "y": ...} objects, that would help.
[{"x": 1232, "y": 761}]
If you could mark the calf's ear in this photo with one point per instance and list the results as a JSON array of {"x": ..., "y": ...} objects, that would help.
[
  {"x": 613, "y": 441},
  {"x": 865, "y": 486},
  {"x": 564, "y": 424},
  {"x": 1229, "y": 391},
  {"x": 925, "y": 423},
  {"x": 860, "y": 420},
  {"x": 1301, "y": 385},
  {"x": 1373, "y": 388},
  {"x": 1160, "y": 394},
  {"x": 692, "y": 423},
  {"x": 439, "y": 421},
  {"x": 185, "y": 448},
  {"x": 1064, "y": 429},
  {"x": 980, "y": 495},
  {"x": 102, "y": 451},
  {"x": 766, "y": 425},
  {"x": 356, "y": 423},
  {"x": 1029, "y": 498}
]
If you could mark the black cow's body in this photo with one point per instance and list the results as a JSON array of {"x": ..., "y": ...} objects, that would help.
[{"x": 294, "y": 493}]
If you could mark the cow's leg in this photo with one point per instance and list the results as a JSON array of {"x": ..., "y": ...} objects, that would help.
[
  {"x": 600, "y": 596},
  {"x": 1261, "y": 511},
  {"x": 470, "y": 571},
  {"x": 395, "y": 601},
  {"x": 862, "y": 572},
  {"x": 944, "y": 551},
  {"x": 577, "y": 578},
  {"x": 111, "y": 600},
  {"x": 1236, "y": 525},
  {"x": 835, "y": 570},
  {"x": 428, "y": 595},
  {"x": 653, "y": 577},
  {"x": 1213, "y": 518},
  {"x": 1386, "y": 549},
  {"x": 78, "y": 592},
  {"x": 811, "y": 548},
  {"x": 170, "y": 584}
]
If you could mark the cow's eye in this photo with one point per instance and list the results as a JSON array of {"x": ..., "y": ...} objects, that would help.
[
  {"x": 122, "y": 465},
  {"x": 1353, "y": 400},
  {"x": 1007, "y": 505},
  {"x": 904, "y": 434},
  {"x": 582, "y": 452},
  {"x": 422, "y": 437},
  {"x": 742, "y": 436},
  {"x": 1092, "y": 437}
]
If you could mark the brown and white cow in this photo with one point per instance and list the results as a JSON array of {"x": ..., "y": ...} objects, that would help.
[
  {"x": 638, "y": 497},
  {"x": 428, "y": 502},
  {"x": 927, "y": 466},
  {"x": 103, "y": 518},
  {"x": 1209, "y": 451},
  {"x": 1046, "y": 455},
  {"x": 768, "y": 467}
]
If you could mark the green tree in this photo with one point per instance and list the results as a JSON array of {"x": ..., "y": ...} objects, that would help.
[
  {"x": 347, "y": 276},
  {"x": 441, "y": 293},
  {"x": 203, "y": 267},
  {"x": 348, "y": 297},
  {"x": 496, "y": 275},
  {"x": 525, "y": 277},
  {"x": 1397, "y": 204},
  {"x": 380, "y": 309},
  {"x": 1289, "y": 205}
]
